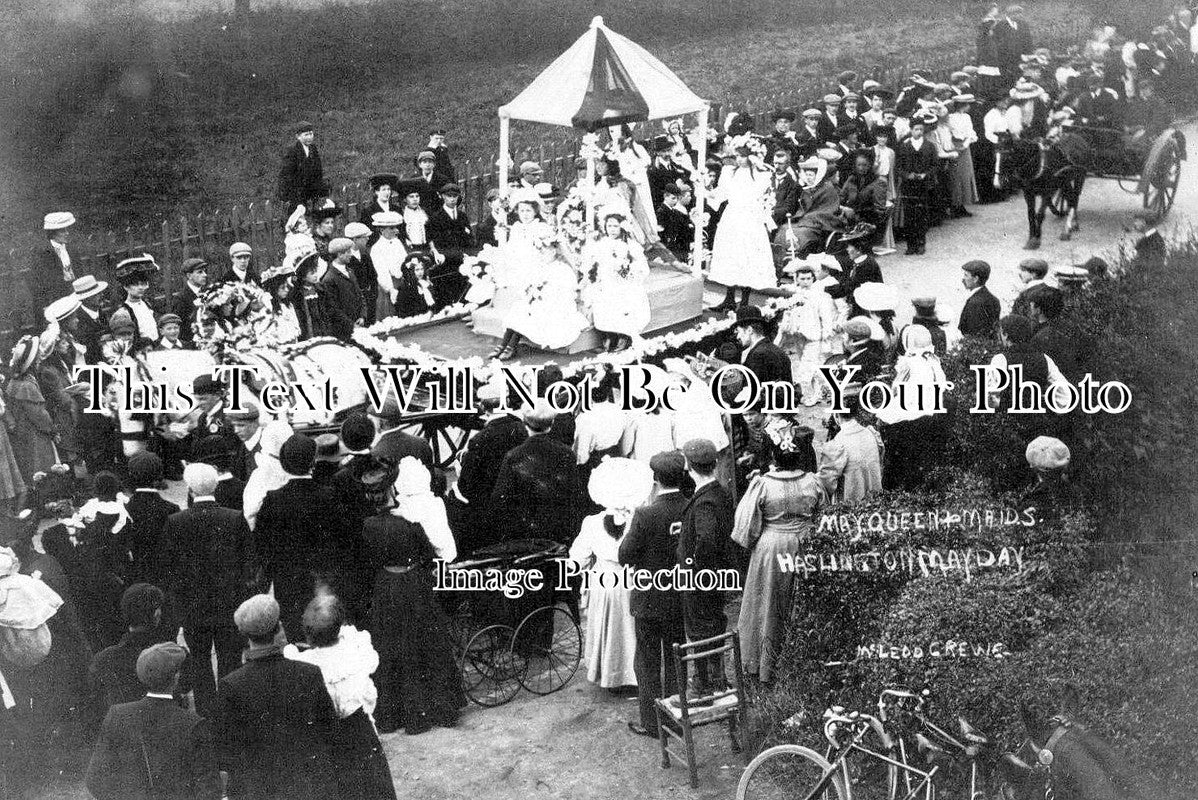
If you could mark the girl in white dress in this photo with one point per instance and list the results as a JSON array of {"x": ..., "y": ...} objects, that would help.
[
  {"x": 741, "y": 255},
  {"x": 616, "y": 269},
  {"x": 620, "y": 485},
  {"x": 634, "y": 161},
  {"x": 546, "y": 310}
]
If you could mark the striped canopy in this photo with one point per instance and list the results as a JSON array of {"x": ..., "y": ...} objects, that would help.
[{"x": 603, "y": 79}]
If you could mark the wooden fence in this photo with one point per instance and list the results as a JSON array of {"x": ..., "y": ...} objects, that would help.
[{"x": 260, "y": 224}]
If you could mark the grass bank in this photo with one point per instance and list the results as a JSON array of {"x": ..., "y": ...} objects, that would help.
[{"x": 127, "y": 118}]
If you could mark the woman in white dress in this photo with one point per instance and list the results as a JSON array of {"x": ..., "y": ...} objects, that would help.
[
  {"x": 741, "y": 255},
  {"x": 620, "y": 485},
  {"x": 634, "y": 161},
  {"x": 616, "y": 271},
  {"x": 614, "y": 192}
]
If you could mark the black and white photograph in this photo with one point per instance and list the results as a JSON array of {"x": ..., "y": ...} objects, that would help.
[{"x": 596, "y": 399}]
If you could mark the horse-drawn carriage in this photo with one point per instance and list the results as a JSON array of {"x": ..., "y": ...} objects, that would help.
[
  {"x": 1151, "y": 170},
  {"x": 1054, "y": 170}
]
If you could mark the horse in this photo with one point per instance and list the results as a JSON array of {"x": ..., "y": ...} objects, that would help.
[
  {"x": 1043, "y": 169},
  {"x": 1068, "y": 759}
]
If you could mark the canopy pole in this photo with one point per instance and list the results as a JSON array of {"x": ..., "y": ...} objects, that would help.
[
  {"x": 504, "y": 151},
  {"x": 700, "y": 193},
  {"x": 590, "y": 196}
]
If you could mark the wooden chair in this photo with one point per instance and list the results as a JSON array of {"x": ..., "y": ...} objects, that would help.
[{"x": 677, "y": 717}]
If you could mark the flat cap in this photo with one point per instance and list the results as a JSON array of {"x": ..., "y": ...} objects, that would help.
[
  {"x": 240, "y": 248},
  {"x": 258, "y": 616},
  {"x": 169, "y": 318},
  {"x": 303, "y": 127},
  {"x": 426, "y": 155},
  {"x": 340, "y": 245},
  {"x": 700, "y": 453},
  {"x": 1046, "y": 452},
  {"x": 530, "y": 167},
  {"x": 355, "y": 229},
  {"x": 159, "y": 663},
  {"x": 832, "y": 99},
  {"x": 977, "y": 267},
  {"x": 1036, "y": 266},
  {"x": 668, "y": 467},
  {"x": 193, "y": 264},
  {"x": 857, "y": 330}
]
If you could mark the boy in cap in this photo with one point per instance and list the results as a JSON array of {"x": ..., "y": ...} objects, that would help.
[
  {"x": 428, "y": 181},
  {"x": 151, "y": 747},
  {"x": 241, "y": 269},
  {"x": 703, "y": 542},
  {"x": 436, "y": 145},
  {"x": 195, "y": 273},
  {"x": 677, "y": 227},
  {"x": 301, "y": 176},
  {"x": 651, "y": 545},
  {"x": 207, "y": 560},
  {"x": 170, "y": 326},
  {"x": 663, "y": 171},
  {"x": 1032, "y": 272},
  {"x": 275, "y": 722},
  {"x": 342, "y": 296},
  {"x": 362, "y": 267}
]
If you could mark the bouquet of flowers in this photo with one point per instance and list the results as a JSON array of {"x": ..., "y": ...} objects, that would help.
[
  {"x": 230, "y": 318},
  {"x": 480, "y": 269}
]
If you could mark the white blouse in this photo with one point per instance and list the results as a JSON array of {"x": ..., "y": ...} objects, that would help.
[
  {"x": 346, "y": 666},
  {"x": 388, "y": 256}
]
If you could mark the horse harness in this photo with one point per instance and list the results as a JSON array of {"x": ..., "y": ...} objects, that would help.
[{"x": 1044, "y": 755}]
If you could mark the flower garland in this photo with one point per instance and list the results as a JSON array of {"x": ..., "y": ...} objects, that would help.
[
  {"x": 390, "y": 351},
  {"x": 232, "y": 319}
]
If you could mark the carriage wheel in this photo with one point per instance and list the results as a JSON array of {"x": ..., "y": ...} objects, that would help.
[
  {"x": 491, "y": 670},
  {"x": 551, "y": 641},
  {"x": 1164, "y": 173},
  {"x": 1056, "y": 203}
]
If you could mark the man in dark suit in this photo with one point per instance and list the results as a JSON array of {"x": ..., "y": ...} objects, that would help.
[
  {"x": 50, "y": 270},
  {"x": 206, "y": 569},
  {"x": 114, "y": 667},
  {"x": 302, "y": 535},
  {"x": 763, "y": 358},
  {"x": 148, "y": 514},
  {"x": 830, "y": 120},
  {"x": 342, "y": 294},
  {"x": 1014, "y": 39},
  {"x": 979, "y": 317},
  {"x": 1053, "y": 336},
  {"x": 785, "y": 185},
  {"x": 89, "y": 324},
  {"x": 783, "y": 137},
  {"x": 1099, "y": 107},
  {"x": 436, "y": 145},
  {"x": 362, "y": 267},
  {"x": 663, "y": 171},
  {"x": 452, "y": 235},
  {"x": 652, "y": 545},
  {"x": 538, "y": 493},
  {"x": 702, "y": 545},
  {"x": 152, "y": 748},
  {"x": 241, "y": 268},
  {"x": 195, "y": 273},
  {"x": 275, "y": 722},
  {"x": 392, "y": 443},
  {"x": 301, "y": 177},
  {"x": 468, "y": 504}
]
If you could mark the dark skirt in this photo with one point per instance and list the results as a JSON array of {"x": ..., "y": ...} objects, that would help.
[
  {"x": 363, "y": 773},
  {"x": 418, "y": 681}
]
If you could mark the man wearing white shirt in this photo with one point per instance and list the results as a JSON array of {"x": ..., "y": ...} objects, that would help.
[{"x": 50, "y": 270}]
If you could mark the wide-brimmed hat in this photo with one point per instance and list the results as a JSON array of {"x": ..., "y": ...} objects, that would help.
[
  {"x": 87, "y": 286},
  {"x": 782, "y": 113},
  {"x": 138, "y": 266},
  {"x": 24, "y": 353},
  {"x": 925, "y": 310},
  {"x": 327, "y": 211},
  {"x": 963, "y": 99},
  {"x": 383, "y": 179},
  {"x": 860, "y": 231},
  {"x": 875, "y": 296},
  {"x": 57, "y": 220},
  {"x": 277, "y": 272},
  {"x": 621, "y": 483},
  {"x": 61, "y": 309}
]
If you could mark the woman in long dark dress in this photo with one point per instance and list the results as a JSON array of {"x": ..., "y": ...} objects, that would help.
[{"x": 418, "y": 681}]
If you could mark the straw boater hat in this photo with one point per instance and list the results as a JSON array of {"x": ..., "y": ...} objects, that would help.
[
  {"x": 621, "y": 483},
  {"x": 62, "y": 308},
  {"x": 87, "y": 286},
  {"x": 1026, "y": 90},
  {"x": 386, "y": 219},
  {"x": 57, "y": 220}
]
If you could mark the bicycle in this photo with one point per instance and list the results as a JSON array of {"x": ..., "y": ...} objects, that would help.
[{"x": 864, "y": 759}]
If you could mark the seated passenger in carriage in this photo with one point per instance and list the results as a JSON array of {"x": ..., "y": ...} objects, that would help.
[
  {"x": 414, "y": 290},
  {"x": 1148, "y": 117}
]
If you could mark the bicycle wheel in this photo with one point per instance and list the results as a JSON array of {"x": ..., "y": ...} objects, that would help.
[
  {"x": 790, "y": 772},
  {"x": 550, "y": 640}
]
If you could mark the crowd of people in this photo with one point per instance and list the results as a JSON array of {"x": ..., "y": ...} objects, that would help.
[{"x": 290, "y": 595}]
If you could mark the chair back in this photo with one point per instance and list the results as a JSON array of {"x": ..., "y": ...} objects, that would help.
[{"x": 688, "y": 652}]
